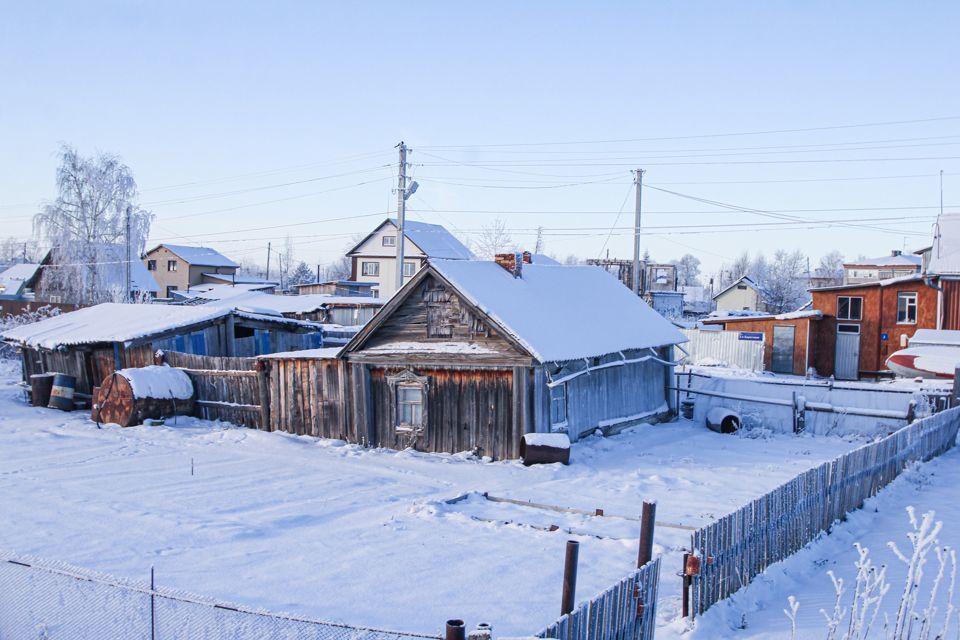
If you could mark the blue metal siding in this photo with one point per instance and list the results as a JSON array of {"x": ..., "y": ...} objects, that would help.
[{"x": 198, "y": 345}]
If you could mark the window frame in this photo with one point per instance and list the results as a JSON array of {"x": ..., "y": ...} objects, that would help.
[
  {"x": 392, "y": 239},
  {"x": 417, "y": 411},
  {"x": 558, "y": 399},
  {"x": 171, "y": 266},
  {"x": 413, "y": 269},
  {"x": 908, "y": 296},
  {"x": 151, "y": 265},
  {"x": 376, "y": 268},
  {"x": 849, "y": 316}
]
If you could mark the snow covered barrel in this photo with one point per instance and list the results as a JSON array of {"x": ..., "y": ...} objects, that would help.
[
  {"x": 130, "y": 396},
  {"x": 544, "y": 448}
]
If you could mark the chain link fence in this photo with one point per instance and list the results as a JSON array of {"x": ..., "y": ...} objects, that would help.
[{"x": 51, "y": 601}]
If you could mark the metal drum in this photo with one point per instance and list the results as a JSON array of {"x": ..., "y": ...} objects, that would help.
[
  {"x": 40, "y": 387},
  {"x": 61, "y": 395}
]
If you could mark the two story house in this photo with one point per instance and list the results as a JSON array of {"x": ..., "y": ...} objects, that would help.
[
  {"x": 374, "y": 259},
  {"x": 176, "y": 267}
]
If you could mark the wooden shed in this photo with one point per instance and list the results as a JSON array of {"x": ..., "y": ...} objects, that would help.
[
  {"x": 472, "y": 355},
  {"x": 92, "y": 343}
]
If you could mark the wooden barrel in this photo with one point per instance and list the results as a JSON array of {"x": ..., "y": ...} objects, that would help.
[
  {"x": 117, "y": 401},
  {"x": 61, "y": 394},
  {"x": 40, "y": 386}
]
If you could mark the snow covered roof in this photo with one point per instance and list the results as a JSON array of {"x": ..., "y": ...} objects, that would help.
[
  {"x": 202, "y": 293},
  {"x": 432, "y": 239},
  {"x": 939, "y": 337},
  {"x": 109, "y": 322},
  {"x": 13, "y": 279},
  {"x": 537, "y": 308},
  {"x": 945, "y": 254},
  {"x": 873, "y": 283},
  {"x": 737, "y": 316},
  {"x": 280, "y": 304},
  {"x": 899, "y": 260},
  {"x": 324, "y": 353},
  {"x": 231, "y": 278},
  {"x": 543, "y": 259},
  {"x": 202, "y": 256}
]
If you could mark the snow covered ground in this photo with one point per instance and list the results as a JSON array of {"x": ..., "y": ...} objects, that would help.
[
  {"x": 757, "y": 611},
  {"x": 333, "y": 531}
]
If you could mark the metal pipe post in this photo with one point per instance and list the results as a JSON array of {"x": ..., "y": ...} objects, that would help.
[
  {"x": 685, "y": 609},
  {"x": 648, "y": 519},
  {"x": 456, "y": 630},
  {"x": 570, "y": 577}
]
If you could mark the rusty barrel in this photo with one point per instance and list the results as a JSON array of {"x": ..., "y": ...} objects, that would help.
[
  {"x": 40, "y": 386},
  {"x": 61, "y": 394}
]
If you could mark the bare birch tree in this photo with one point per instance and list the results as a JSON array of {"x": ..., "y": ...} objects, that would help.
[
  {"x": 85, "y": 225},
  {"x": 494, "y": 239}
]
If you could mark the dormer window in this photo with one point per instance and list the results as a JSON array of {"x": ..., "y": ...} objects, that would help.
[{"x": 389, "y": 241}]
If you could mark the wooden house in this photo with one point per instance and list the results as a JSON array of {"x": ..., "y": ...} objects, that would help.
[
  {"x": 472, "y": 355},
  {"x": 743, "y": 294},
  {"x": 176, "y": 267},
  {"x": 92, "y": 342}
]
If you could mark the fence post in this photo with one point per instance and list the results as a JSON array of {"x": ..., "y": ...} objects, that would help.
[
  {"x": 263, "y": 390},
  {"x": 569, "y": 577},
  {"x": 647, "y": 522},
  {"x": 685, "y": 610},
  {"x": 153, "y": 608},
  {"x": 455, "y": 630}
]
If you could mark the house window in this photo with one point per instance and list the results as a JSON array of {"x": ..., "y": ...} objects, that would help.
[
  {"x": 170, "y": 289},
  {"x": 389, "y": 241},
  {"x": 151, "y": 265},
  {"x": 410, "y": 406},
  {"x": 171, "y": 265},
  {"x": 906, "y": 308},
  {"x": 558, "y": 404},
  {"x": 370, "y": 268},
  {"x": 849, "y": 308},
  {"x": 742, "y": 287},
  {"x": 409, "y": 268}
]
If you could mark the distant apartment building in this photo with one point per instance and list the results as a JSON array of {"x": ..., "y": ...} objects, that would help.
[
  {"x": 895, "y": 265},
  {"x": 374, "y": 259},
  {"x": 177, "y": 267}
]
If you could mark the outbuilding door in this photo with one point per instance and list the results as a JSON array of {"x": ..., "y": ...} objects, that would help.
[
  {"x": 847, "y": 363},
  {"x": 782, "y": 360}
]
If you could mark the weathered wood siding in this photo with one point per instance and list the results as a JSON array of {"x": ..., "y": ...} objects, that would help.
[
  {"x": 88, "y": 366},
  {"x": 309, "y": 397},
  {"x": 466, "y": 409},
  {"x": 224, "y": 388},
  {"x": 609, "y": 398}
]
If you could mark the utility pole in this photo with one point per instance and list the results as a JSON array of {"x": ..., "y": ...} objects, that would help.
[
  {"x": 638, "y": 183},
  {"x": 268, "y": 262},
  {"x": 401, "y": 211},
  {"x": 126, "y": 265}
]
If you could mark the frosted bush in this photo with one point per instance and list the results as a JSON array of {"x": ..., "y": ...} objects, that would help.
[{"x": 917, "y": 617}]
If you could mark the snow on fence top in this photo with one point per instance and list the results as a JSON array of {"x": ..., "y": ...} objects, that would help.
[
  {"x": 561, "y": 313},
  {"x": 108, "y": 322},
  {"x": 323, "y": 353},
  {"x": 159, "y": 381}
]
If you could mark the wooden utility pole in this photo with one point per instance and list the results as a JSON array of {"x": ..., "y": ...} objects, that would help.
[
  {"x": 638, "y": 183},
  {"x": 128, "y": 295},
  {"x": 401, "y": 211}
]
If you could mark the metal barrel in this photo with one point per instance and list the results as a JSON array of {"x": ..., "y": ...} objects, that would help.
[
  {"x": 40, "y": 387},
  {"x": 61, "y": 395}
]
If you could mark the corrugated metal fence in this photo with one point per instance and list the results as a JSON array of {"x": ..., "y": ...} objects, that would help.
[
  {"x": 723, "y": 347},
  {"x": 739, "y": 546},
  {"x": 625, "y": 611}
]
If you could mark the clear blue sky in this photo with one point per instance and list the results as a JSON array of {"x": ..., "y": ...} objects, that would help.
[{"x": 242, "y": 97}]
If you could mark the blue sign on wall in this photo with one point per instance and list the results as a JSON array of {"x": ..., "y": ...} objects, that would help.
[
  {"x": 753, "y": 336},
  {"x": 884, "y": 337}
]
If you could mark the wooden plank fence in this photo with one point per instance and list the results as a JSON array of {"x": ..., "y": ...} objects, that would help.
[
  {"x": 739, "y": 546},
  {"x": 625, "y": 611},
  {"x": 226, "y": 388}
]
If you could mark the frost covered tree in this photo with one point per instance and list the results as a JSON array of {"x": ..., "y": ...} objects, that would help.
[
  {"x": 830, "y": 268},
  {"x": 85, "y": 225},
  {"x": 15, "y": 250},
  {"x": 782, "y": 282},
  {"x": 494, "y": 238},
  {"x": 302, "y": 274},
  {"x": 688, "y": 270}
]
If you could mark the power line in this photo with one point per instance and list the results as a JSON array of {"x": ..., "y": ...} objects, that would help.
[
  {"x": 569, "y": 163},
  {"x": 702, "y": 136}
]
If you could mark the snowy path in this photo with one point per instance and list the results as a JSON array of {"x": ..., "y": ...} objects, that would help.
[
  {"x": 337, "y": 532},
  {"x": 757, "y": 611}
]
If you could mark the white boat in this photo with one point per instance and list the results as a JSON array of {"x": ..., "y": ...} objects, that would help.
[{"x": 930, "y": 353}]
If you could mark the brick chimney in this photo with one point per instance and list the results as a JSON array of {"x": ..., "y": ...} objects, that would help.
[{"x": 513, "y": 262}]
